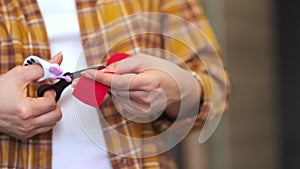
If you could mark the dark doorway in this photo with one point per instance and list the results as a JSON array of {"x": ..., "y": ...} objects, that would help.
[{"x": 289, "y": 68}]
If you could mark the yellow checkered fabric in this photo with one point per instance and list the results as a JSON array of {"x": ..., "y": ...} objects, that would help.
[{"x": 23, "y": 33}]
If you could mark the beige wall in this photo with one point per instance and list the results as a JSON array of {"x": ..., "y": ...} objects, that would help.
[
  {"x": 247, "y": 138},
  {"x": 252, "y": 64}
]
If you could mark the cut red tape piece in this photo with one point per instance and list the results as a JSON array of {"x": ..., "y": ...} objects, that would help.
[
  {"x": 116, "y": 57},
  {"x": 92, "y": 93}
]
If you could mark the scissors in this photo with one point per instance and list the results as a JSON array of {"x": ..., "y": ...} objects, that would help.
[
  {"x": 59, "y": 86},
  {"x": 53, "y": 71}
]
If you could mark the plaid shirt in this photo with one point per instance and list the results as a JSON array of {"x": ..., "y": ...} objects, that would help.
[{"x": 22, "y": 33}]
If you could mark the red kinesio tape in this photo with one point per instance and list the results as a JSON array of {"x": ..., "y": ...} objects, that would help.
[{"x": 91, "y": 92}]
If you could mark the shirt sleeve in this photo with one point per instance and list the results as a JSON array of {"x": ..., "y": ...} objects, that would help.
[{"x": 205, "y": 62}]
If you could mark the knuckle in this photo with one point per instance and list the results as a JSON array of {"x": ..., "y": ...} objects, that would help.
[
  {"x": 52, "y": 104},
  {"x": 58, "y": 112},
  {"x": 153, "y": 85},
  {"x": 26, "y": 128},
  {"x": 24, "y": 112},
  {"x": 22, "y": 137},
  {"x": 25, "y": 137},
  {"x": 147, "y": 100},
  {"x": 19, "y": 69},
  {"x": 59, "y": 115},
  {"x": 121, "y": 85}
]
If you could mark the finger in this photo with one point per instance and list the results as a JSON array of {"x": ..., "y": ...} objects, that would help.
[
  {"x": 40, "y": 130},
  {"x": 49, "y": 118},
  {"x": 125, "y": 105},
  {"x": 128, "y": 105},
  {"x": 42, "y": 105},
  {"x": 98, "y": 76},
  {"x": 75, "y": 82},
  {"x": 131, "y": 103},
  {"x": 113, "y": 80},
  {"x": 139, "y": 62},
  {"x": 148, "y": 101},
  {"x": 138, "y": 96},
  {"x": 129, "y": 65},
  {"x": 140, "y": 104},
  {"x": 128, "y": 81},
  {"x": 144, "y": 81},
  {"x": 136, "y": 108},
  {"x": 57, "y": 58},
  {"x": 34, "y": 72},
  {"x": 26, "y": 74},
  {"x": 113, "y": 66}
]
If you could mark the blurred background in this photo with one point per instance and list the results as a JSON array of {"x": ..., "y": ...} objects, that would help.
[{"x": 260, "y": 40}]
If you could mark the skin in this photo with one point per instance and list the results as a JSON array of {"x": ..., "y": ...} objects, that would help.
[
  {"x": 140, "y": 85},
  {"x": 23, "y": 117}
]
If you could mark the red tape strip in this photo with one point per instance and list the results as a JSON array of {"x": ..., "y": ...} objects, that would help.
[{"x": 92, "y": 93}]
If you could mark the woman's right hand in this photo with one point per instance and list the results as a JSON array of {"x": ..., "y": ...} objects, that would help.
[{"x": 20, "y": 116}]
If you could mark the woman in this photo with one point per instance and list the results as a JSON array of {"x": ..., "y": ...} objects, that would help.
[{"x": 44, "y": 27}]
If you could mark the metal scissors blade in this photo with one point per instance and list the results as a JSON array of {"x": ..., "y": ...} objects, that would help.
[
  {"x": 59, "y": 86},
  {"x": 77, "y": 74}
]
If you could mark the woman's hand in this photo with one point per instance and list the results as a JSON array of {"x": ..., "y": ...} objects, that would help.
[
  {"x": 145, "y": 85},
  {"x": 21, "y": 116}
]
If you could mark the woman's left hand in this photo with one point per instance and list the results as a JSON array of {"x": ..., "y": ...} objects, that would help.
[{"x": 145, "y": 85}]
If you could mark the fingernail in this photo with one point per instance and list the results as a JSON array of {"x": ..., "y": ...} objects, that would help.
[
  {"x": 56, "y": 56},
  {"x": 74, "y": 84},
  {"x": 103, "y": 70}
]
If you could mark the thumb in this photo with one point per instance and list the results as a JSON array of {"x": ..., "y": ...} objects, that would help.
[
  {"x": 57, "y": 58},
  {"x": 34, "y": 72},
  {"x": 27, "y": 74},
  {"x": 132, "y": 64},
  {"x": 137, "y": 63}
]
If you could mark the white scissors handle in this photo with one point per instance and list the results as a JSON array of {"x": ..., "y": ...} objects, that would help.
[{"x": 51, "y": 70}]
